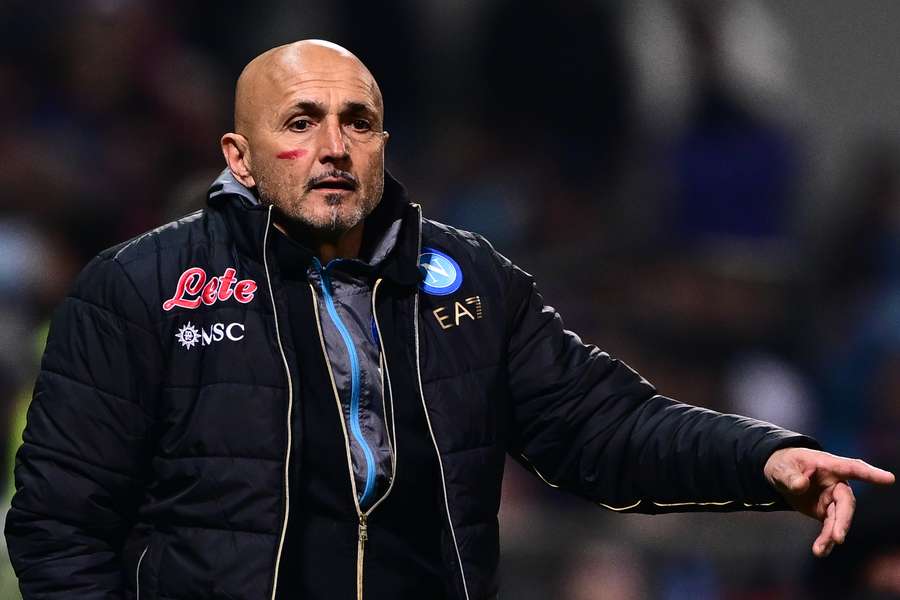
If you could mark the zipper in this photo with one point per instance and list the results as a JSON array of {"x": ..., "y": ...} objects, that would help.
[
  {"x": 462, "y": 573},
  {"x": 360, "y": 550},
  {"x": 363, "y": 532},
  {"x": 287, "y": 371},
  {"x": 354, "y": 382},
  {"x": 137, "y": 575}
]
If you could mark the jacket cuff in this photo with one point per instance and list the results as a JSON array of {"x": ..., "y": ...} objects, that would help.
[{"x": 759, "y": 486}]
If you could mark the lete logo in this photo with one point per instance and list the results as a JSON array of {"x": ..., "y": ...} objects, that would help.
[{"x": 193, "y": 288}]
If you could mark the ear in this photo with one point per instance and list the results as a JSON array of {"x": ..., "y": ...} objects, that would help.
[{"x": 236, "y": 150}]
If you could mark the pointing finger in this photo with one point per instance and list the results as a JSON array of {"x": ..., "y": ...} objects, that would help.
[
  {"x": 845, "y": 505},
  {"x": 854, "y": 468}
]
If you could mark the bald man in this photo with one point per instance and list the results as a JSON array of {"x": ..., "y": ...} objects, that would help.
[
  {"x": 308, "y": 390},
  {"x": 309, "y": 138}
]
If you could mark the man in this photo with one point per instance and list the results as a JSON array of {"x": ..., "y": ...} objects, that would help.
[{"x": 270, "y": 398}]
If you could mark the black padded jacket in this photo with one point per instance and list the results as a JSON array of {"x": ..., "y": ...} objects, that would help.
[{"x": 158, "y": 450}]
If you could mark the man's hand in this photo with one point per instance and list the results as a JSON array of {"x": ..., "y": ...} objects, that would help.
[{"x": 815, "y": 484}]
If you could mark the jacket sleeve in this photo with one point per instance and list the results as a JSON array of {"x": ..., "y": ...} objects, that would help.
[
  {"x": 79, "y": 471},
  {"x": 589, "y": 424}
]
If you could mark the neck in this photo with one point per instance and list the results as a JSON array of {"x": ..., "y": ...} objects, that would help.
[{"x": 325, "y": 245}]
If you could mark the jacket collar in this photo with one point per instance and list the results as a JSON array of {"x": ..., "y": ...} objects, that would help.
[{"x": 248, "y": 218}]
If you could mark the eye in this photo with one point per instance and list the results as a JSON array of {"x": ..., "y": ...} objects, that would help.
[
  {"x": 361, "y": 124},
  {"x": 300, "y": 125}
]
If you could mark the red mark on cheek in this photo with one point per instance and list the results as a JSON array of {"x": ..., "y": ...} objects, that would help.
[{"x": 291, "y": 154}]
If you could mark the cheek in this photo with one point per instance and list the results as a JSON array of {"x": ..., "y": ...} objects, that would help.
[
  {"x": 374, "y": 165},
  {"x": 280, "y": 176},
  {"x": 288, "y": 166},
  {"x": 292, "y": 154}
]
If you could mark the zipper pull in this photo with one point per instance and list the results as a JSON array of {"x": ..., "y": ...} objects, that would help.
[
  {"x": 323, "y": 275},
  {"x": 363, "y": 529}
]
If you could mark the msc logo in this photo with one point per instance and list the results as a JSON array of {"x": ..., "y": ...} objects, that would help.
[
  {"x": 442, "y": 274},
  {"x": 189, "y": 336},
  {"x": 447, "y": 319}
]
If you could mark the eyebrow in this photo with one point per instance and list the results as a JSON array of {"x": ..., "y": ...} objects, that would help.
[
  {"x": 308, "y": 106},
  {"x": 314, "y": 108},
  {"x": 358, "y": 107}
]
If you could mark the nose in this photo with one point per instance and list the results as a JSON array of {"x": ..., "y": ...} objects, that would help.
[{"x": 333, "y": 143}]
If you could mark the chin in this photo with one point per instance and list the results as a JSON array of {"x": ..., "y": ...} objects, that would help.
[
  {"x": 333, "y": 214},
  {"x": 334, "y": 219}
]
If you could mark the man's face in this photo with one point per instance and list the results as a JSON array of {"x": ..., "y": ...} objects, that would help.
[{"x": 316, "y": 142}]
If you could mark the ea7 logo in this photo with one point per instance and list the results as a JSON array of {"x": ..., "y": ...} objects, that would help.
[
  {"x": 194, "y": 289},
  {"x": 448, "y": 317},
  {"x": 189, "y": 336}
]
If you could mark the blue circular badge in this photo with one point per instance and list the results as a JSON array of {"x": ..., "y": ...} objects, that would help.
[{"x": 442, "y": 274}]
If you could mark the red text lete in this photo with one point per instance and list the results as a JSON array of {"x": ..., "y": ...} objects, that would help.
[{"x": 194, "y": 289}]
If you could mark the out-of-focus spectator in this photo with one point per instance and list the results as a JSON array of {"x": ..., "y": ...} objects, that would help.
[
  {"x": 858, "y": 323},
  {"x": 605, "y": 572}
]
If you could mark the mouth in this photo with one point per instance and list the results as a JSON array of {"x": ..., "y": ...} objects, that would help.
[{"x": 333, "y": 185}]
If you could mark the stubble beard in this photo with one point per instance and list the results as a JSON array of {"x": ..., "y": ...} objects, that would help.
[{"x": 342, "y": 213}]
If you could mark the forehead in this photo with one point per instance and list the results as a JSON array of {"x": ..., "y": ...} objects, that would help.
[{"x": 336, "y": 83}]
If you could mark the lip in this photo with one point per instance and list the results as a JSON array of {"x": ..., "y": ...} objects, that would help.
[
  {"x": 335, "y": 184},
  {"x": 332, "y": 190}
]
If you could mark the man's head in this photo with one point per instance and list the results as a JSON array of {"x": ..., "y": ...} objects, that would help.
[{"x": 309, "y": 135}]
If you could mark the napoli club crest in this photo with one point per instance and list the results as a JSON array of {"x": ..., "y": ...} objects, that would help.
[{"x": 442, "y": 274}]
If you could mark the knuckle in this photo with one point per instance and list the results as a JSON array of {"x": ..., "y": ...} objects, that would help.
[{"x": 847, "y": 491}]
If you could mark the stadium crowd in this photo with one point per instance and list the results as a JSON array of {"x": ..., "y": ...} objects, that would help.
[{"x": 649, "y": 162}]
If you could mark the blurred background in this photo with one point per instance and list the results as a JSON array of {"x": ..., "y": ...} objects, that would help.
[{"x": 709, "y": 190}]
